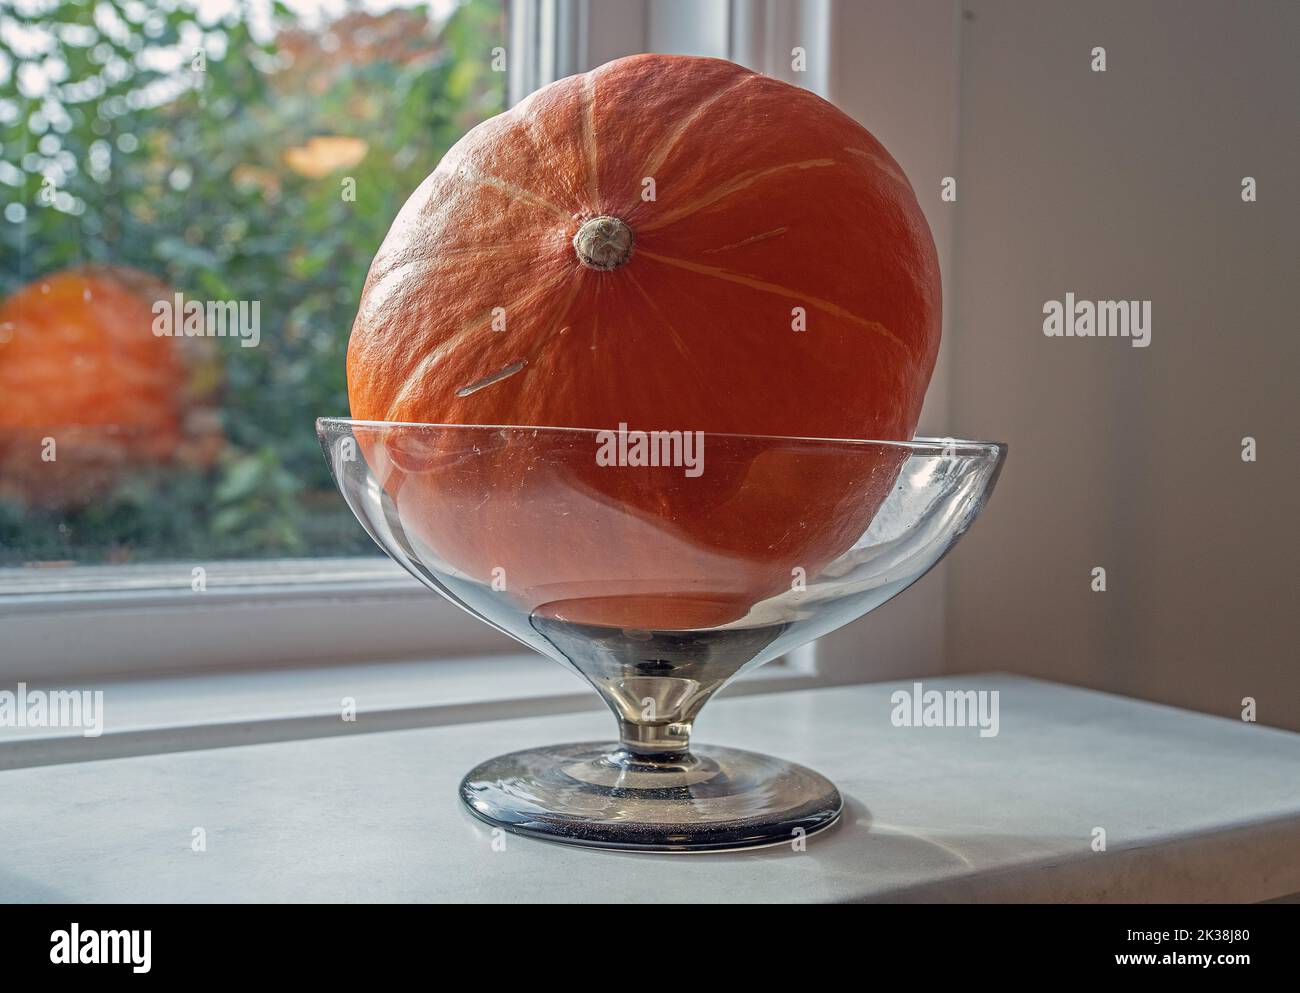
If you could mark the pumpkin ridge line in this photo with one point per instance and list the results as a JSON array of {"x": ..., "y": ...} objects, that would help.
[
  {"x": 677, "y": 338},
  {"x": 574, "y": 287},
  {"x": 522, "y": 119},
  {"x": 785, "y": 291},
  {"x": 589, "y": 139},
  {"x": 595, "y": 312},
  {"x": 516, "y": 192},
  {"x": 880, "y": 163},
  {"x": 657, "y": 160},
  {"x": 747, "y": 241},
  {"x": 734, "y": 185},
  {"x": 495, "y": 246},
  {"x": 416, "y": 376}
]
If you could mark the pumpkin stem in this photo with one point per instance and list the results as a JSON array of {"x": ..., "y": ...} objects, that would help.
[{"x": 603, "y": 243}]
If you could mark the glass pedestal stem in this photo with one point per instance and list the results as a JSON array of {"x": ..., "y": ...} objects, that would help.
[{"x": 651, "y": 740}]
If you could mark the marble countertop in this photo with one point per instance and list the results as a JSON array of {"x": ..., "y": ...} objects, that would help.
[{"x": 1192, "y": 807}]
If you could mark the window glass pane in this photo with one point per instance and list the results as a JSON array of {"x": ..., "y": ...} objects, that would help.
[{"x": 191, "y": 192}]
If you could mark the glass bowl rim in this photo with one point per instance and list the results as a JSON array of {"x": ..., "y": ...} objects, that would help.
[{"x": 917, "y": 446}]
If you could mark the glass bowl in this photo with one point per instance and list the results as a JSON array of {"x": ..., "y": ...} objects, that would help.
[{"x": 657, "y": 566}]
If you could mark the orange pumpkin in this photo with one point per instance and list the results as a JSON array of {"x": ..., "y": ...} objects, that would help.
[
  {"x": 671, "y": 243},
  {"x": 80, "y": 364}
]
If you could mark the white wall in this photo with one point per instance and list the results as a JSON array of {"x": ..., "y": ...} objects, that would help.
[{"x": 1126, "y": 184}]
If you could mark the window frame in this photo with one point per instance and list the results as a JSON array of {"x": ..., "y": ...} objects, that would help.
[{"x": 106, "y": 621}]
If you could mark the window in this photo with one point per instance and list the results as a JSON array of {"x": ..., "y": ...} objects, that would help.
[
  {"x": 194, "y": 194},
  {"x": 238, "y": 163},
  {"x": 247, "y": 159}
]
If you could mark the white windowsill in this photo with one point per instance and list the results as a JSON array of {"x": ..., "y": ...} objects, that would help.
[
  {"x": 1195, "y": 808},
  {"x": 187, "y": 712}
]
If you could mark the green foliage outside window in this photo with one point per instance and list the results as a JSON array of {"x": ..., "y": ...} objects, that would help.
[{"x": 190, "y": 170}]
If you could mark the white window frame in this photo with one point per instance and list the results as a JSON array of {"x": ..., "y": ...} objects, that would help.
[
  {"x": 557, "y": 38},
  {"x": 71, "y": 623},
  {"x": 141, "y": 620}
]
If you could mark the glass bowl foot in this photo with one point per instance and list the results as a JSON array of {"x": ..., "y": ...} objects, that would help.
[{"x": 599, "y": 795}]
